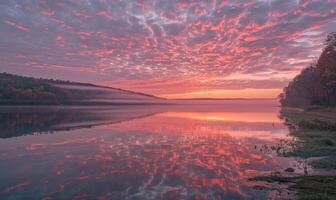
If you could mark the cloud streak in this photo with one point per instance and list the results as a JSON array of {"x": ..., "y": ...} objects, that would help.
[{"x": 203, "y": 45}]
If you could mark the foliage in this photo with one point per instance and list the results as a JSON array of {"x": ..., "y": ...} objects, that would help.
[
  {"x": 316, "y": 84},
  {"x": 24, "y": 90}
]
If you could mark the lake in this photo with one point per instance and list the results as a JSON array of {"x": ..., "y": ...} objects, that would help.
[{"x": 193, "y": 150}]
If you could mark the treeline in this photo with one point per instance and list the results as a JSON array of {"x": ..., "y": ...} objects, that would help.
[
  {"x": 21, "y": 90},
  {"x": 316, "y": 84},
  {"x": 24, "y": 121}
]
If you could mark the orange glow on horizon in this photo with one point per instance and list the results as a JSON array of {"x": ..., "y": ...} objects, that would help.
[
  {"x": 248, "y": 86},
  {"x": 249, "y": 93}
]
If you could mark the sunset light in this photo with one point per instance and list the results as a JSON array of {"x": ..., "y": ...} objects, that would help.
[
  {"x": 167, "y": 99},
  {"x": 197, "y": 49}
]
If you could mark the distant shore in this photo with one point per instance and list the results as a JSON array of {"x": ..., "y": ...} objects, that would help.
[
  {"x": 219, "y": 99},
  {"x": 77, "y": 103},
  {"x": 128, "y": 102}
]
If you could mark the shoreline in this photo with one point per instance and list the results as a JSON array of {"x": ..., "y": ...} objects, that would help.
[{"x": 315, "y": 142}]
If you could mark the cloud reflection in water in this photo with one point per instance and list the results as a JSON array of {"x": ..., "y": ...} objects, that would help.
[{"x": 168, "y": 155}]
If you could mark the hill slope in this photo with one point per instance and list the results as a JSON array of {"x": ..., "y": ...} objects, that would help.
[{"x": 18, "y": 90}]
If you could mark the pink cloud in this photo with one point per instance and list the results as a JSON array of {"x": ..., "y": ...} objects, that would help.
[{"x": 138, "y": 41}]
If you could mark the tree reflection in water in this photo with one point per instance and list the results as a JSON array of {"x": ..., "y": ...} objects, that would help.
[{"x": 141, "y": 153}]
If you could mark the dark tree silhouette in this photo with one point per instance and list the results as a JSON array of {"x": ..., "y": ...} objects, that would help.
[
  {"x": 327, "y": 69},
  {"x": 316, "y": 84},
  {"x": 25, "y": 90}
]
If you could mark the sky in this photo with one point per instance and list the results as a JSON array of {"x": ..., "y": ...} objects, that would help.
[{"x": 168, "y": 48}]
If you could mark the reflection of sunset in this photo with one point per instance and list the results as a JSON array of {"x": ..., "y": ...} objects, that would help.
[
  {"x": 226, "y": 116},
  {"x": 167, "y": 155},
  {"x": 163, "y": 99},
  {"x": 143, "y": 165},
  {"x": 227, "y": 93},
  {"x": 235, "y": 124}
]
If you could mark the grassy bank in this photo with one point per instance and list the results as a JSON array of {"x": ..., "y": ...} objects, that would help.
[
  {"x": 314, "y": 131},
  {"x": 305, "y": 187}
]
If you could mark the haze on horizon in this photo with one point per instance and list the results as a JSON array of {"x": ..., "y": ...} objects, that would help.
[{"x": 172, "y": 49}]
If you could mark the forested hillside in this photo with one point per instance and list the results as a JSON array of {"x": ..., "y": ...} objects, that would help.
[{"x": 25, "y": 90}]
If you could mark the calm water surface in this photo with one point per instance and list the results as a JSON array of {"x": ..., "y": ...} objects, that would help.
[{"x": 198, "y": 151}]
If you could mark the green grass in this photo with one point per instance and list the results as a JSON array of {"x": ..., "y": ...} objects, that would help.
[
  {"x": 306, "y": 187},
  {"x": 314, "y": 146},
  {"x": 314, "y": 132},
  {"x": 325, "y": 163}
]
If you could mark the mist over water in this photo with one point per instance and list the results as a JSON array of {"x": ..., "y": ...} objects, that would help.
[{"x": 201, "y": 150}]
